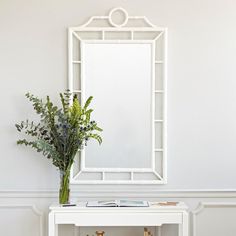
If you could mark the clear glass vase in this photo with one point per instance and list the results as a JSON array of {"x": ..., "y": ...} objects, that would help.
[{"x": 64, "y": 192}]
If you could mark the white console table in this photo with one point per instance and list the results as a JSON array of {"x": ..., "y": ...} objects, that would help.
[{"x": 81, "y": 215}]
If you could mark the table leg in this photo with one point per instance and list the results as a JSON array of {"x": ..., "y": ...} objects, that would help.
[
  {"x": 52, "y": 227},
  {"x": 184, "y": 227}
]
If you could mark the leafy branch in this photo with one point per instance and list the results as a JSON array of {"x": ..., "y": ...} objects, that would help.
[{"x": 61, "y": 132}]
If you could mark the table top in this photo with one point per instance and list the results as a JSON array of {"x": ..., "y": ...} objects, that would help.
[{"x": 153, "y": 207}]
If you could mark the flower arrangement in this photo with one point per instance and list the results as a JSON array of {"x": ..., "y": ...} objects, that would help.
[{"x": 60, "y": 133}]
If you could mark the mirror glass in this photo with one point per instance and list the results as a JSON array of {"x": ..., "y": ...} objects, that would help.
[{"x": 119, "y": 77}]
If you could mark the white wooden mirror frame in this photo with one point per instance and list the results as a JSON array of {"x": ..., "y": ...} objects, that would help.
[{"x": 131, "y": 29}]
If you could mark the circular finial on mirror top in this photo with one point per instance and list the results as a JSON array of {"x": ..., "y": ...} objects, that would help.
[{"x": 118, "y": 17}]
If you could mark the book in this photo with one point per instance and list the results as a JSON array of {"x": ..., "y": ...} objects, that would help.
[
  {"x": 165, "y": 203},
  {"x": 118, "y": 203}
]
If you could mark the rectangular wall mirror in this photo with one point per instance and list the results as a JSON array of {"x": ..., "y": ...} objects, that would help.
[
  {"x": 124, "y": 68},
  {"x": 118, "y": 75}
]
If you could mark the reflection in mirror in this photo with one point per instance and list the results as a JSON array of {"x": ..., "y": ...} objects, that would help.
[{"x": 119, "y": 76}]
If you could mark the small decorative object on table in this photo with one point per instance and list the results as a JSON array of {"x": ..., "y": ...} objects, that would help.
[
  {"x": 147, "y": 232},
  {"x": 100, "y": 233},
  {"x": 60, "y": 134}
]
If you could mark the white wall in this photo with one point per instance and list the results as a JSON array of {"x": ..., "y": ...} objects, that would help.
[{"x": 201, "y": 84}]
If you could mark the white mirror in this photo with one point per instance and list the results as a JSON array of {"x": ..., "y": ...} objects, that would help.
[{"x": 123, "y": 68}]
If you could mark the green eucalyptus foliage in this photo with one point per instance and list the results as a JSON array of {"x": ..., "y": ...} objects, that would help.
[{"x": 61, "y": 132}]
